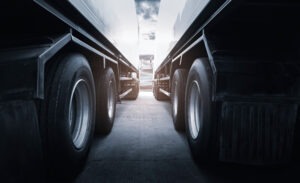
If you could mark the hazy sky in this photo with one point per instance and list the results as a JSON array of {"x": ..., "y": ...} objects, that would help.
[
  {"x": 147, "y": 16},
  {"x": 156, "y": 20},
  {"x": 169, "y": 10},
  {"x": 135, "y": 26},
  {"x": 147, "y": 13}
]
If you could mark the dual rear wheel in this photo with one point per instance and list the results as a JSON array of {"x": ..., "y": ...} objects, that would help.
[
  {"x": 157, "y": 94},
  {"x": 134, "y": 93},
  {"x": 106, "y": 101},
  {"x": 177, "y": 98},
  {"x": 193, "y": 110},
  {"x": 69, "y": 110}
]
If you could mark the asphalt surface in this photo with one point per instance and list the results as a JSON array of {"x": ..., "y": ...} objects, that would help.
[{"x": 144, "y": 147}]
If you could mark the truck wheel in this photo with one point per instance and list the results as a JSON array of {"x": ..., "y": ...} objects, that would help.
[
  {"x": 106, "y": 101},
  {"x": 21, "y": 156},
  {"x": 158, "y": 95},
  {"x": 134, "y": 93},
  {"x": 70, "y": 111},
  {"x": 201, "y": 133},
  {"x": 177, "y": 98},
  {"x": 154, "y": 89}
]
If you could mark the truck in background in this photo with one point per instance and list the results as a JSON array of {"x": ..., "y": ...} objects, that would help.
[
  {"x": 146, "y": 71},
  {"x": 238, "y": 62},
  {"x": 61, "y": 77}
]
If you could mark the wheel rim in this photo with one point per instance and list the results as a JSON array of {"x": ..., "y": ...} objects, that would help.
[
  {"x": 111, "y": 98},
  {"x": 194, "y": 110},
  {"x": 175, "y": 100},
  {"x": 79, "y": 113}
]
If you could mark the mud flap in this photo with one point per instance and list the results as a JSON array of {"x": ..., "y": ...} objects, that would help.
[
  {"x": 20, "y": 143},
  {"x": 257, "y": 133}
]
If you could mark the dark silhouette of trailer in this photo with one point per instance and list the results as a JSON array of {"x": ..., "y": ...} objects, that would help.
[
  {"x": 233, "y": 80},
  {"x": 60, "y": 80}
]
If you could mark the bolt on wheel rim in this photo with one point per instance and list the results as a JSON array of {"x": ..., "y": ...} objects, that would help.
[
  {"x": 111, "y": 99},
  {"x": 79, "y": 113},
  {"x": 175, "y": 100},
  {"x": 194, "y": 110}
]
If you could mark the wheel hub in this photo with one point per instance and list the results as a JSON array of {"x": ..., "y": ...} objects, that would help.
[
  {"x": 79, "y": 113},
  {"x": 194, "y": 110}
]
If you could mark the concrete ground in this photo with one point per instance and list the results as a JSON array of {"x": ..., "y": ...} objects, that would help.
[{"x": 144, "y": 147}]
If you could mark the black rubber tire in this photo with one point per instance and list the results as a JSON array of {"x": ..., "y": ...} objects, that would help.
[
  {"x": 21, "y": 157},
  {"x": 155, "y": 90},
  {"x": 106, "y": 95},
  {"x": 203, "y": 144},
  {"x": 134, "y": 93},
  {"x": 296, "y": 145},
  {"x": 73, "y": 81},
  {"x": 178, "y": 97},
  {"x": 158, "y": 95}
]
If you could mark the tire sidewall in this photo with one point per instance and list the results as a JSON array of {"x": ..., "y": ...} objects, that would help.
[
  {"x": 112, "y": 79},
  {"x": 199, "y": 145},
  {"x": 104, "y": 122},
  {"x": 174, "y": 89},
  {"x": 136, "y": 90},
  {"x": 178, "y": 90},
  {"x": 73, "y": 68},
  {"x": 134, "y": 93}
]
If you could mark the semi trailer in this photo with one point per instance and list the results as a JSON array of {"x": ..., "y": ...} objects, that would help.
[
  {"x": 233, "y": 80},
  {"x": 61, "y": 76}
]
